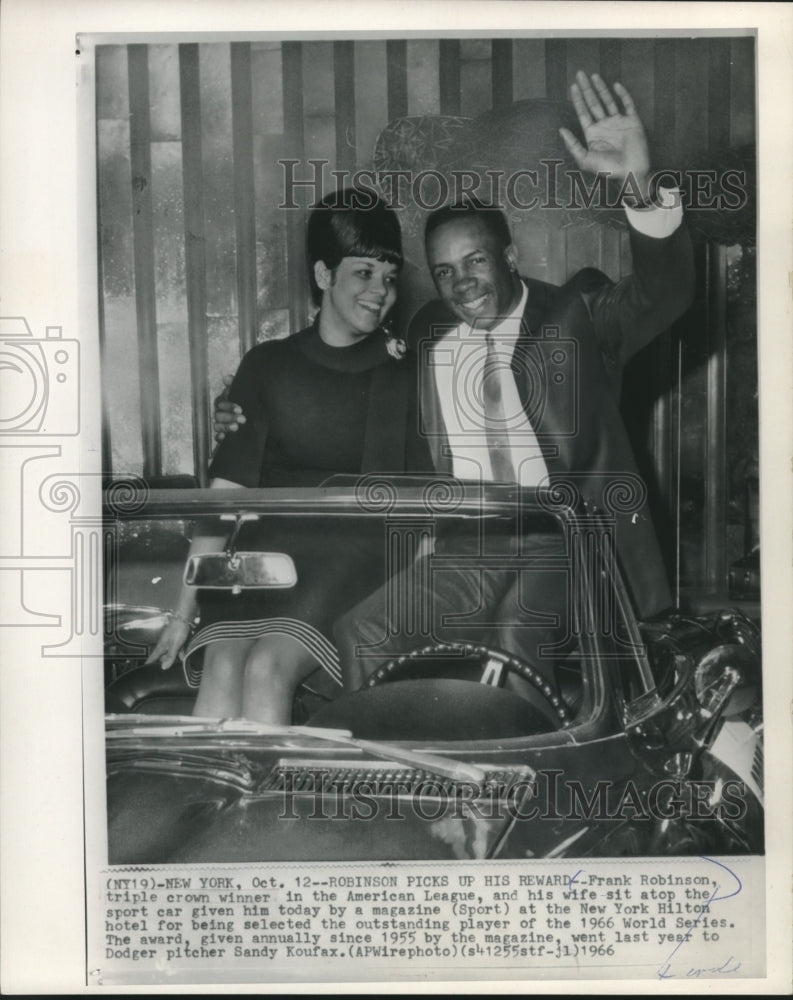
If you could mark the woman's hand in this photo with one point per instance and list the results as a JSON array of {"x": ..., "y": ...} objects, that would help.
[{"x": 172, "y": 638}]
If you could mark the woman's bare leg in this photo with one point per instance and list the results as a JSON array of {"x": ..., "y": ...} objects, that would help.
[
  {"x": 220, "y": 694},
  {"x": 275, "y": 666}
]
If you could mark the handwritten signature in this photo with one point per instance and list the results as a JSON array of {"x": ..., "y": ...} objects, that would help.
[
  {"x": 728, "y": 967},
  {"x": 731, "y": 966}
]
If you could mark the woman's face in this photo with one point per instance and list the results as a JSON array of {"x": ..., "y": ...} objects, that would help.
[{"x": 357, "y": 294}]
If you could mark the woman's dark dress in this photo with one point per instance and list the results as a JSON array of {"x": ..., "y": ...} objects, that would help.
[{"x": 312, "y": 411}]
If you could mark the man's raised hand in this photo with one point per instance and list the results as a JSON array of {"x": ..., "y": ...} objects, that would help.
[{"x": 615, "y": 141}]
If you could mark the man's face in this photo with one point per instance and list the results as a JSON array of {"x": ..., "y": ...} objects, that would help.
[{"x": 473, "y": 273}]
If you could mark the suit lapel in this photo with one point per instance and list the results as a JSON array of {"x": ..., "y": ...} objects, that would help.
[
  {"x": 545, "y": 408},
  {"x": 536, "y": 306}
]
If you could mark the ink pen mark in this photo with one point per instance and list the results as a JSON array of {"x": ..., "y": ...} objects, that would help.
[
  {"x": 572, "y": 880},
  {"x": 663, "y": 972},
  {"x": 727, "y": 968},
  {"x": 729, "y": 872}
]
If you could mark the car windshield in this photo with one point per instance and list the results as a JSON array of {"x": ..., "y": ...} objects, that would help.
[{"x": 450, "y": 612}]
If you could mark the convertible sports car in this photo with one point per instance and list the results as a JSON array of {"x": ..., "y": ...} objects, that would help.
[{"x": 648, "y": 741}]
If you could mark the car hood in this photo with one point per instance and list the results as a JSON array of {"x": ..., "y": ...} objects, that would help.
[{"x": 221, "y": 798}]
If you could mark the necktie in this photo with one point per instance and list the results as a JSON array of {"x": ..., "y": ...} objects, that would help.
[{"x": 495, "y": 421}]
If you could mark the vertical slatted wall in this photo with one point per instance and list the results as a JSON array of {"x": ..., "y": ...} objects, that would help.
[{"x": 198, "y": 262}]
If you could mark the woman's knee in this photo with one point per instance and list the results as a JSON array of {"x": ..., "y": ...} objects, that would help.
[
  {"x": 220, "y": 692},
  {"x": 261, "y": 667},
  {"x": 278, "y": 664},
  {"x": 224, "y": 662}
]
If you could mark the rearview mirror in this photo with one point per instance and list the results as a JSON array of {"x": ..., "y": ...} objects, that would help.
[{"x": 238, "y": 571}]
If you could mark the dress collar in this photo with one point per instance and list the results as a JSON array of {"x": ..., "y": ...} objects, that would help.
[{"x": 368, "y": 353}]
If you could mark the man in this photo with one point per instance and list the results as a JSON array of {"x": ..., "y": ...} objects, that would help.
[{"x": 498, "y": 424}]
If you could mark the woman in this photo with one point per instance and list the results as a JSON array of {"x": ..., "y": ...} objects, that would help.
[{"x": 329, "y": 399}]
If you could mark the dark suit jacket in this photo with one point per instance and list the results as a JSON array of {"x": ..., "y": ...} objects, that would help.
[{"x": 574, "y": 342}]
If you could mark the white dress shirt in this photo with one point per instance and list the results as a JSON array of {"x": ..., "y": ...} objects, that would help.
[{"x": 458, "y": 361}]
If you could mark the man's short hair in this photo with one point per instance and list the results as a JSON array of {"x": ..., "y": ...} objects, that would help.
[
  {"x": 493, "y": 218},
  {"x": 353, "y": 223}
]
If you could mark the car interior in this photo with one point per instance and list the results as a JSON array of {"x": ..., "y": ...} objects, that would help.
[{"x": 465, "y": 687}]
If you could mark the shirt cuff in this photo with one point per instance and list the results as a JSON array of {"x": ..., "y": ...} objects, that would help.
[{"x": 659, "y": 221}]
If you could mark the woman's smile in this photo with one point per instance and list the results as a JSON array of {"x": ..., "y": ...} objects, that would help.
[{"x": 357, "y": 296}]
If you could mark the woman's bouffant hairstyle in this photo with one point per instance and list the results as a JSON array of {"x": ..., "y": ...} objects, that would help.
[{"x": 353, "y": 223}]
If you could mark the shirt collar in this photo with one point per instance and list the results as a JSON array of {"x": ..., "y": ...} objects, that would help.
[{"x": 520, "y": 308}]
